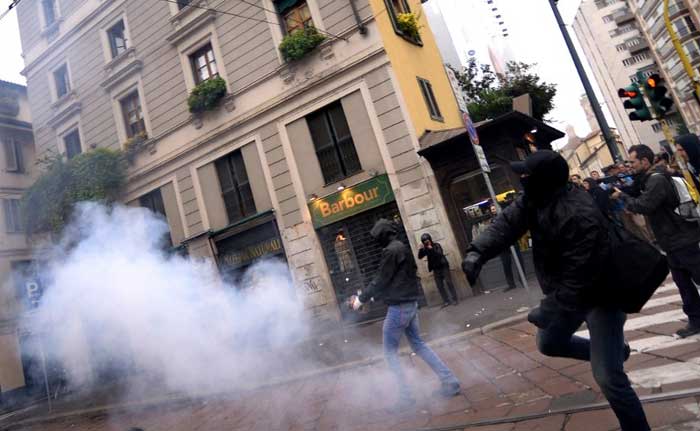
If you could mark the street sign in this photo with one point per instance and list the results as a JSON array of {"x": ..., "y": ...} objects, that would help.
[
  {"x": 481, "y": 157},
  {"x": 457, "y": 90},
  {"x": 471, "y": 130}
]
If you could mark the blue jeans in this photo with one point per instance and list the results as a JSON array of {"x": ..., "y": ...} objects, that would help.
[
  {"x": 606, "y": 352},
  {"x": 400, "y": 319}
]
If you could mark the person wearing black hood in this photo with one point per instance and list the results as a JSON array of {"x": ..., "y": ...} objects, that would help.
[
  {"x": 688, "y": 149},
  {"x": 396, "y": 283},
  {"x": 440, "y": 267},
  {"x": 571, "y": 251}
]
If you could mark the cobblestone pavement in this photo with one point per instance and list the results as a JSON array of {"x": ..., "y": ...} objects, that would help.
[{"x": 502, "y": 374}]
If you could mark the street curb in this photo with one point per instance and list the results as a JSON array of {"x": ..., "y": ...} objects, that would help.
[{"x": 405, "y": 351}]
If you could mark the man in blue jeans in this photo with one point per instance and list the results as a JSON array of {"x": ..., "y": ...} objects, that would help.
[
  {"x": 397, "y": 284},
  {"x": 572, "y": 252}
]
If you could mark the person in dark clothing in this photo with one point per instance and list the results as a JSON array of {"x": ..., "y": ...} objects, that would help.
[
  {"x": 688, "y": 150},
  {"x": 571, "y": 248},
  {"x": 397, "y": 284},
  {"x": 440, "y": 267},
  {"x": 680, "y": 239},
  {"x": 601, "y": 199}
]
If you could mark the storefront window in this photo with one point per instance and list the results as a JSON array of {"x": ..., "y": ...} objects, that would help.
[{"x": 343, "y": 251}]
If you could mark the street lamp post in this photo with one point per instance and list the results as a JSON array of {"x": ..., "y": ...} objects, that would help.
[{"x": 607, "y": 134}]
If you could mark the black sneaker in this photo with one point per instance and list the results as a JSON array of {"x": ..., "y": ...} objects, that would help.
[
  {"x": 446, "y": 304},
  {"x": 628, "y": 351},
  {"x": 689, "y": 330},
  {"x": 448, "y": 390}
]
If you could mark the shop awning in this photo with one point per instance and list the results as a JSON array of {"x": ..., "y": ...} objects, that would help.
[{"x": 514, "y": 122}]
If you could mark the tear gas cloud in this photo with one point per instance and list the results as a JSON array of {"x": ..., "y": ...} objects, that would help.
[{"x": 114, "y": 300}]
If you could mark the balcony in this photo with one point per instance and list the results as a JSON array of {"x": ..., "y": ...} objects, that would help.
[
  {"x": 637, "y": 45},
  {"x": 622, "y": 16}
]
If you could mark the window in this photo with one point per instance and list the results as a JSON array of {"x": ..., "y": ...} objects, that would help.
[
  {"x": 333, "y": 142},
  {"x": 621, "y": 47},
  {"x": 430, "y": 100},
  {"x": 636, "y": 59},
  {"x": 13, "y": 155},
  {"x": 117, "y": 38},
  {"x": 692, "y": 48},
  {"x": 297, "y": 18},
  {"x": 62, "y": 81},
  {"x": 154, "y": 202},
  {"x": 13, "y": 216},
  {"x": 235, "y": 187},
  {"x": 72, "y": 143},
  {"x": 608, "y": 18},
  {"x": 203, "y": 64},
  {"x": 181, "y": 4},
  {"x": 395, "y": 8},
  {"x": 49, "y": 9},
  {"x": 133, "y": 115}
]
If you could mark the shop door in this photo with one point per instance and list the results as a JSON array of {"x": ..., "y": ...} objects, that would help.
[{"x": 353, "y": 256}]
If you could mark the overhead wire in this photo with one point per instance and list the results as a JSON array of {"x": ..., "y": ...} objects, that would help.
[
  {"x": 252, "y": 18},
  {"x": 12, "y": 5}
]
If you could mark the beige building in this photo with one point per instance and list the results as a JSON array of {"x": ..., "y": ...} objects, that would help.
[
  {"x": 17, "y": 160},
  {"x": 616, "y": 49},
  {"x": 299, "y": 158},
  {"x": 650, "y": 17},
  {"x": 589, "y": 153}
]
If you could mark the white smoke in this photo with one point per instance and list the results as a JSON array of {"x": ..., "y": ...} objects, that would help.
[{"x": 114, "y": 300}]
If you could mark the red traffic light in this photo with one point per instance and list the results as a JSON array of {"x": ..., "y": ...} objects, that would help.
[{"x": 627, "y": 93}]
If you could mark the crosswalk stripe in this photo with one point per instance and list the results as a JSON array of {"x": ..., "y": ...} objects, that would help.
[
  {"x": 646, "y": 321},
  {"x": 666, "y": 374},
  {"x": 664, "y": 300},
  {"x": 666, "y": 288},
  {"x": 660, "y": 342}
]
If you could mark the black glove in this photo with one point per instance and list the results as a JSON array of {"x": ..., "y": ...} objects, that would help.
[{"x": 471, "y": 265}]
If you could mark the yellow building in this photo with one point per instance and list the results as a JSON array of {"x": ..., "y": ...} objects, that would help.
[{"x": 590, "y": 153}]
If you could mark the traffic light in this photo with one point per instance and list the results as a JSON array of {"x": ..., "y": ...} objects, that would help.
[
  {"x": 635, "y": 101},
  {"x": 657, "y": 95}
]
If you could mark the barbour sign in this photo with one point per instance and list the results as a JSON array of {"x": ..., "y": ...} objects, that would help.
[{"x": 353, "y": 200}]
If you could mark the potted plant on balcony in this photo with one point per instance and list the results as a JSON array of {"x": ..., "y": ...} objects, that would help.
[
  {"x": 408, "y": 24},
  {"x": 133, "y": 145},
  {"x": 296, "y": 45},
  {"x": 206, "y": 95}
]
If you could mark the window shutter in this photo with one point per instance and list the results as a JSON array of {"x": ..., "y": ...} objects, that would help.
[
  {"x": 325, "y": 148},
  {"x": 346, "y": 146}
]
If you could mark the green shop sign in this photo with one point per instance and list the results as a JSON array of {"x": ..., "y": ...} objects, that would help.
[{"x": 353, "y": 200}]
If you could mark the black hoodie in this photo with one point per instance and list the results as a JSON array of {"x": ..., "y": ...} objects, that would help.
[
  {"x": 396, "y": 281},
  {"x": 436, "y": 257},
  {"x": 691, "y": 145}
]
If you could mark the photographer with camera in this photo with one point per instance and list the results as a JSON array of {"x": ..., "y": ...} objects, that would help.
[
  {"x": 678, "y": 237},
  {"x": 572, "y": 252}
]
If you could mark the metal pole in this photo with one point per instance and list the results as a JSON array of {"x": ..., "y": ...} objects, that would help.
[
  {"x": 602, "y": 122},
  {"x": 679, "y": 49},
  {"x": 46, "y": 374},
  {"x": 513, "y": 253}
]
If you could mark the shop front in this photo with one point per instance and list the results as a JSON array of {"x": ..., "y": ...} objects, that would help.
[
  {"x": 249, "y": 241},
  {"x": 462, "y": 184},
  {"x": 343, "y": 221}
]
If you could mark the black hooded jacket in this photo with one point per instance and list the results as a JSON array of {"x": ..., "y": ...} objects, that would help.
[
  {"x": 570, "y": 243},
  {"x": 396, "y": 281},
  {"x": 600, "y": 197},
  {"x": 691, "y": 145},
  {"x": 436, "y": 257}
]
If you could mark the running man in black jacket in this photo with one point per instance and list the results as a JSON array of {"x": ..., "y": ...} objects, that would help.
[
  {"x": 397, "y": 284},
  {"x": 571, "y": 251}
]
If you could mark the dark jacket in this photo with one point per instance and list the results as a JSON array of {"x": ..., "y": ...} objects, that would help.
[
  {"x": 436, "y": 257},
  {"x": 396, "y": 280},
  {"x": 569, "y": 244},
  {"x": 658, "y": 200},
  {"x": 600, "y": 197}
]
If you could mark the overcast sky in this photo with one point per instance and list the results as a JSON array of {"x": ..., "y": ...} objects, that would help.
[{"x": 534, "y": 38}]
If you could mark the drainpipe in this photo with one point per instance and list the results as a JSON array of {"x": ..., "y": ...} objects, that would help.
[{"x": 360, "y": 25}]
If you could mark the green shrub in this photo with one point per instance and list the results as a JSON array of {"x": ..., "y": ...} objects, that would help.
[
  {"x": 98, "y": 175},
  {"x": 296, "y": 45},
  {"x": 206, "y": 95}
]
